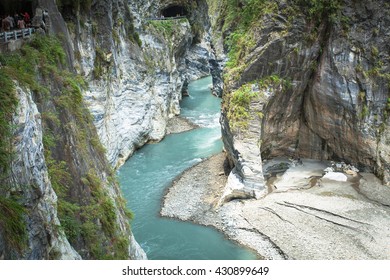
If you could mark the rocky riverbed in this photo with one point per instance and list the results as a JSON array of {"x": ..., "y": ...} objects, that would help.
[
  {"x": 179, "y": 124},
  {"x": 305, "y": 215}
]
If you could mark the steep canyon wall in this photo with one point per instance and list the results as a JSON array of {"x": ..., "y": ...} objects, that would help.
[
  {"x": 305, "y": 79},
  {"x": 105, "y": 88},
  {"x": 138, "y": 68}
]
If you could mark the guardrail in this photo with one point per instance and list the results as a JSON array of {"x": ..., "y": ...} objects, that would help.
[{"x": 17, "y": 34}]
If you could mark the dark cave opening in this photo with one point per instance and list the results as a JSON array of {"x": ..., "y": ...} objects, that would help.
[
  {"x": 10, "y": 7},
  {"x": 174, "y": 11}
]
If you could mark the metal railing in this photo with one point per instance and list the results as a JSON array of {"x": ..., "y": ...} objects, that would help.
[{"x": 17, "y": 34}]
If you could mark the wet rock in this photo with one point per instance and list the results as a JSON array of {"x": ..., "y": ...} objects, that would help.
[{"x": 136, "y": 252}]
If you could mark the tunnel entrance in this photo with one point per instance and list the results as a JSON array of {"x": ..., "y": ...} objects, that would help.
[
  {"x": 174, "y": 11},
  {"x": 10, "y": 7}
]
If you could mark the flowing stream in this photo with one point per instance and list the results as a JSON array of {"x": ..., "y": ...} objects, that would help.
[{"x": 146, "y": 175}]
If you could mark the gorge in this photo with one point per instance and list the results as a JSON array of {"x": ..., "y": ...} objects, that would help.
[
  {"x": 304, "y": 87},
  {"x": 153, "y": 168}
]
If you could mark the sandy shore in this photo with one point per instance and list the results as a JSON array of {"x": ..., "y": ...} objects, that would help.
[{"x": 304, "y": 216}]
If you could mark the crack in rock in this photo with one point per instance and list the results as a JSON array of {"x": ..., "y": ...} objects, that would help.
[
  {"x": 276, "y": 214},
  {"x": 266, "y": 238},
  {"x": 286, "y": 203},
  {"x": 298, "y": 207}
]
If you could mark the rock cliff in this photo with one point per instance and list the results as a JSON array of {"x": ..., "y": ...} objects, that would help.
[
  {"x": 56, "y": 181},
  {"x": 59, "y": 198},
  {"x": 30, "y": 181},
  {"x": 138, "y": 66},
  {"x": 306, "y": 79},
  {"x": 79, "y": 109},
  {"x": 303, "y": 79}
]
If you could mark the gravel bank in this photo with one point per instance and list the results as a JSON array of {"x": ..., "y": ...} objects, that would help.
[
  {"x": 179, "y": 124},
  {"x": 304, "y": 216}
]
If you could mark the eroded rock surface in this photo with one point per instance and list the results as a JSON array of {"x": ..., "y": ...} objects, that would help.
[
  {"x": 33, "y": 186},
  {"x": 330, "y": 100},
  {"x": 304, "y": 216},
  {"x": 136, "y": 85}
]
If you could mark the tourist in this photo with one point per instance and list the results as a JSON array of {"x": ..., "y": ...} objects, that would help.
[
  {"x": 11, "y": 22},
  {"x": 5, "y": 25},
  {"x": 27, "y": 20},
  {"x": 21, "y": 23},
  {"x": 16, "y": 19}
]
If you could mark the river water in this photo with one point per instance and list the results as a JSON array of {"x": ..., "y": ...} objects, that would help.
[{"x": 145, "y": 177}]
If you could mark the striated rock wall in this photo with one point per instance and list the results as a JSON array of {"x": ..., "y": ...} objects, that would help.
[
  {"x": 323, "y": 78},
  {"x": 136, "y": 75},
  {"x": 56, "y": 183},
  {"x": 72, "y": 206},
  {"x": 29, "y": 176},
  {"x": 138, "y": 72}
]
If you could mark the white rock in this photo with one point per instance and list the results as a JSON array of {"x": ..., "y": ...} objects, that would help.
[
  {"x": 135, "y": 250},
  {"x": 336, "y": 176},
  {"x": 328, "y": 169},
  {"x": 133, "y": 102}
]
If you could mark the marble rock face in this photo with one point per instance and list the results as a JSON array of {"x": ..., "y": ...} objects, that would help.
[
  {"x": 30, "y": 175},
  {"x": 141, "y": 86},
  {"x": 336, "y": 105}
]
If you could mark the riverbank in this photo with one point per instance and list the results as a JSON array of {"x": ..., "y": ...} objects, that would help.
[
  {"x": 178, "y": 124},
  {"x": 304, "y": 216},
  {"x": 205, "y": 182},
  {"x": 145, "y": 177}
]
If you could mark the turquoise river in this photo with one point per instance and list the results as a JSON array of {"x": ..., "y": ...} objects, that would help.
[{"x": 145, "y": 177}]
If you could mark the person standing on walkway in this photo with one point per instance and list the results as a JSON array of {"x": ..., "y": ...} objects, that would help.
[
  {"x": 5, "y": 24},
  {"x": 27, "y": 19},
  {"x": 21, "y": 23},
  {"x": 16, "y": 19},
  {"x": 11, "y": 22}
]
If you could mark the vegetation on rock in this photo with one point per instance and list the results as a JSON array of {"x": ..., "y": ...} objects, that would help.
[
  {"x": 92, "y": 219},
  {"x": 237, "y": 104},
  {"x": 7, "y": 107},
  {"x": 12, "y": 223},
  {"x": 168, "y": 28}
]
